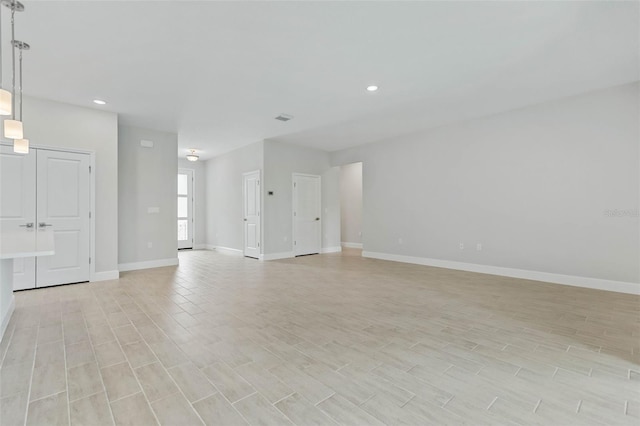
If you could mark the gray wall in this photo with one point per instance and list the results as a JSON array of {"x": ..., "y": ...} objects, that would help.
[
  {"x": 281, "y": 160},
  {"x": 200, "y": 200},
  {"x": 351, "y": 203},
  {"x": 147, "y": 178},
  {"x": 224, "y": 195},
  {"x": 55, "y": 124},
  {"x": 531, "y": 185}
]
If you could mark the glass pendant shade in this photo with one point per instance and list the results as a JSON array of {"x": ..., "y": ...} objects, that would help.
[
  {"x": 21, "y": 146},
  {"x": 13, "y": 129},
  {"x": 5, "y": 102}
]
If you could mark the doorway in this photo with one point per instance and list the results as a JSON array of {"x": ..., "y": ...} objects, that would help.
[
  {"x": 307, "y": 208},
  {"x": 351, "y": 206},
  {"x": 252, "y": 206},
  {"x": 48, "y": 191},
  {"x": 185, "y": 209}
]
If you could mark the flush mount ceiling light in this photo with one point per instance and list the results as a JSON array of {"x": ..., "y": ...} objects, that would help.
[
  {"x": 372, "y": 88},
  {"x": 192, "y": 155},
  {"x": 99, "y": 102}
]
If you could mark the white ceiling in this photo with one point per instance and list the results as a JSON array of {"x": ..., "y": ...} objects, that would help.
[{"x": 217, "y": 73}]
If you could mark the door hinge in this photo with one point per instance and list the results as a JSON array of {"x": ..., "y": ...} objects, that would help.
[
  {"x": 258, "y": 244},
  {"x": 295, "y": 243},
  {"x": 89, "y": 215},
  {"x": 294, "y": 213},
  {"x": 89, "y": 169},
  {"x": 294, "y": 184},
  {"x": 89, "y": 261}
]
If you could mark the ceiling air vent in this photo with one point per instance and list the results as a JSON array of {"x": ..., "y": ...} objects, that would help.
[{"x": 284, "y": 117}]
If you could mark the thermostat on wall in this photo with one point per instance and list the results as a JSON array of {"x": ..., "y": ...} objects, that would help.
[{"x": 146, "y": 144}]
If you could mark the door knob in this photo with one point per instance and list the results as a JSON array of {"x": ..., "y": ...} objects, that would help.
[
  {"x": 245, "y": 219},
  {"x": 317, "y": 218},
  {"x": 27, "y": 225},
  {"x": 42, "y": 224}
]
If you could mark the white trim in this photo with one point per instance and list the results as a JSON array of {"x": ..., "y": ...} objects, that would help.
[
  {"x": 148, "y": 264},
  {"x": 201, "y": 247},
  {"x": 330, "y": 249},
  {"x": 572, "y": 280},
  {"x": 92, "y": 219},
  {"x": 209, "y": 247},
  {"x": 229, "y": 250},
  {"x": 105, "y": 276},
  {"x": 351, "y": 245},
  {"x": 276, "y": 256},
  {"x": 7, "y": 317}
]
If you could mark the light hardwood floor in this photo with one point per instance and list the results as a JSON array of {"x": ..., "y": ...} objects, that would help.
[{"x": 319, "y": 340}]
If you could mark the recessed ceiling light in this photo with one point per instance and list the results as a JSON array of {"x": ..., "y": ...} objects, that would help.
[
  {"x": 372, "y": 88},
  {"x": 99, "y": 102}
]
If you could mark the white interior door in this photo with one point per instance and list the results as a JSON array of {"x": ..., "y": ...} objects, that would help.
[
  {"x": 63, "y": 200},
  {"x": 185, "y": 209},
  {"x": 18, "y": 207},
  {"x": 252, "y": 198},
  {"x": 306, "y": 214}
]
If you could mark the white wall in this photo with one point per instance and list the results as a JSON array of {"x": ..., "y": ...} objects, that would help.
[
  {"x": 54, "y": 124},
  {"x": 200, "y": 200},
  {"x": 281, "y": 160},
  {"x": 224, "y": 195},
  {"x": 351, "y": 203},
  {"x": 531, "y": 185},
  {"x": 147, "y": 178}
]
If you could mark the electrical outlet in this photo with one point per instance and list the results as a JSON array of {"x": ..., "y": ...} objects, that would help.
[
  {"x": 461, "y": 246},
  {"x": 479, "y": 246}
]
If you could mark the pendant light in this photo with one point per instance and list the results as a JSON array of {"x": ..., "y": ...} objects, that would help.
[
  {"x": 21, "y": 146},
  {"x": 13, "y": 127},
  {"x": 5, "y": 95}
]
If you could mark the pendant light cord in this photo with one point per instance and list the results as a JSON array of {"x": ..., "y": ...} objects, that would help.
[
  {"x": 1, "y": 70},
  {"x": 20, "y": 83},
  {"x": 13, "y": 62}
]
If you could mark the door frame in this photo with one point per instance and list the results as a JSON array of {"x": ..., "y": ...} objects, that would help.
[
  {"x": 92, "y": 198},
  {"x": 244, "y": 199},
  {"x": 193, "y": 206},
  {"x": 294, "y": 201}
]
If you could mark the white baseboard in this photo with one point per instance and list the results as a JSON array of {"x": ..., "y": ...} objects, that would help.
[
  {"x": 228, "y": 250},
  {"x": 209, "y": 247},
  {"x": 331, "y": 249},
  {"x": 572, "y": 280},
  {"x": 7, "y": 316},
  {"x": 200, "y": 247},
  {"x": 276, "y": 256},
  {"x": 351, "y": 245},
  {"x": 105, "y": 276},
  {"x": 148, "y": 264}
]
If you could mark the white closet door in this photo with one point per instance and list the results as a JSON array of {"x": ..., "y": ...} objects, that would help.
[
  {"x": 306, "y": 214},
  {"x": 252, "y": 197},
  {"x": 63, "y": 208},
  {"x": 18, "y": 207}
]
